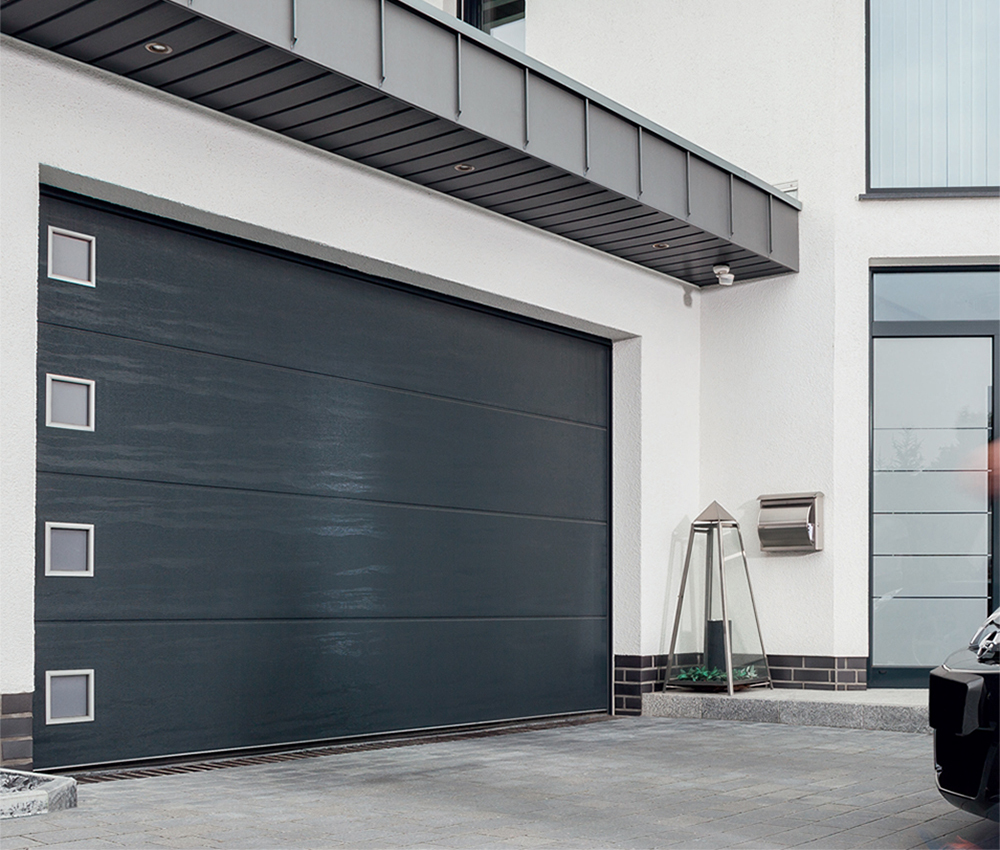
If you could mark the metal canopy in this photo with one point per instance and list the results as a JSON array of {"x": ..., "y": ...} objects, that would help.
[{"x": 400, "y": 86}]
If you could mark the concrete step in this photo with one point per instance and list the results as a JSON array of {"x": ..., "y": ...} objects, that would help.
[
  {"x": 886, "y": 709},
  {"x": 23, "y": 793}
]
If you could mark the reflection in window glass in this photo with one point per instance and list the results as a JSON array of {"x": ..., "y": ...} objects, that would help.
[
  {"x": 929, "y": 491},
  {"x": 937, "y": 296},
  {"x": 934, "y": 93},
  {"x": 502, "y": 19},
  {"x": 913, "y": 449},
  {"x": 922, "y": 632},
  {"x": 933, "y": 410},
  {"x": 932, "y": 407}
]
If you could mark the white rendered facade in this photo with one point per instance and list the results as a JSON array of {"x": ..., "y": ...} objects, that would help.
[{"x": 778, "y": 86}]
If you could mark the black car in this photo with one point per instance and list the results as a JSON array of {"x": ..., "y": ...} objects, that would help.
[{"x": 964, "y": 712}]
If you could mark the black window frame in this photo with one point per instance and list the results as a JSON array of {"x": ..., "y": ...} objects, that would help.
[{"x": 917, "y": 677}]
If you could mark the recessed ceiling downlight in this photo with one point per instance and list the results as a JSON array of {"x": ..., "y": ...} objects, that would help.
[
  {"x": 159, "y": 48},
  {"x": 661, "y": 245},
  {"x": 464, "y": 167}
]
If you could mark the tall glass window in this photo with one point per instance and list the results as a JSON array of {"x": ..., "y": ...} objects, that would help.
[
  {"x": 934, "y": 94},
  {"x": 935, "y": 365}
]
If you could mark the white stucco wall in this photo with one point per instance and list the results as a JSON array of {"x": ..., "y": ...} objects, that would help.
[
  {"x": 777, "y": 87},
  {"x": 136, "y": 146}
]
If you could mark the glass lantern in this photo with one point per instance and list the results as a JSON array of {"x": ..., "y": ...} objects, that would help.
[{"x": 715, "y": 589}]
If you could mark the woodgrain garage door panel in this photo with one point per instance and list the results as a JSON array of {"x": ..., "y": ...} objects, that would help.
[
  {"x": 314, "y": 557},
  {"x": 160, "y": 284},
  {"x": 170, "y": 415},
  {"x": 322, "y": 505},
  {"x": 183, "y": 687}
]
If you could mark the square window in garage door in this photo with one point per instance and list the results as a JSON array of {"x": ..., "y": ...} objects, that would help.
[
  {"x": 72, "y": 257},
  {"x": 69, "y": 403},
  {"x": 69, "y": 696}
]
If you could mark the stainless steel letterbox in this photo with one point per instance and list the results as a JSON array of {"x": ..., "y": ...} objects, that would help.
[{"x": 791, "y": 522}]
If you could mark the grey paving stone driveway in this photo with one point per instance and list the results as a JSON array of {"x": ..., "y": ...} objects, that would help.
[{"x": 639, "y": 782}]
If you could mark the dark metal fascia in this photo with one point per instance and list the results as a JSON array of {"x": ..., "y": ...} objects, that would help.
[
  {"x": 471, "y": 33},
  {"x": 753, "y": 253},
  {"x": 532, "y": 66}
]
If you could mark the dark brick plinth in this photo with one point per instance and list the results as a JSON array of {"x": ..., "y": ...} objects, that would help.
[{"x": 15, "y": 731}]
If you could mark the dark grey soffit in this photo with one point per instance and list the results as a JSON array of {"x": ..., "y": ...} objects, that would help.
[{"x": 400, "y": 86}]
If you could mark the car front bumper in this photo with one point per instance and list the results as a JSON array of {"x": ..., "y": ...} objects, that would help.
[{"x": 963, "y": 714}]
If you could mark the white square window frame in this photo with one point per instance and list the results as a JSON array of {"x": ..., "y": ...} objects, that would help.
[
  {"x": 62, "y": 231},
  {"x": 49, "y": 676},
  {"x": 49, "y": 378},
  {"x": 75, "y": 526}
]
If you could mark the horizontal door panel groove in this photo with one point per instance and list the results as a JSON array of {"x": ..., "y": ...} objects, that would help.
[
  {"x": 173, "y": 284},
  {"x": 359, "y": 381},
  {"x": 177, "y": 621},
  {"x": 196, "y": 418},
  {"x": 174, "y": 552},
  {"x": 333, "y": 497}
]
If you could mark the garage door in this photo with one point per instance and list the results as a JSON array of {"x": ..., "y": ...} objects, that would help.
[{"x": 280, "y": 501}]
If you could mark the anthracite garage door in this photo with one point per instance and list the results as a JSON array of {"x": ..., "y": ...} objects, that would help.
[{"x": 319, "y": 504}]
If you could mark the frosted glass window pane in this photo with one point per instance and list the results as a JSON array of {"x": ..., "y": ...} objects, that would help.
[
  {"x": 929, "y": 576},
  {"x": 937, "y": 296},
  {"x": 932, "y": 382},
  {"x": 957, "y": 492},
  {"x": 68, "y": 696},
  {"x": 922, "y": 632},
  {"x": 69, "y": 549},
  {"x": 70, "y": 403},
  {"x": 930, "y": 534},
  {"x": 934, "y": 89},
  {"x": 70, "y": 257},
  {"x": 925, "y": 448}
]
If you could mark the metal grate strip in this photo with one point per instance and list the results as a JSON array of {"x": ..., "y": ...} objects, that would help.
[{"x": 112, "y": 774}]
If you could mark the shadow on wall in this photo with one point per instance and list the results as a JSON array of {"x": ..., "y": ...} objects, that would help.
[{"x": 747, "y": 515}]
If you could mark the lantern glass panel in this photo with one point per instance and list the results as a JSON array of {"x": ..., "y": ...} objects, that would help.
[
  {"x": 749, "y": 661},
  {"x": 700, "y": 641},
  {"x": 716, "y": 641}
]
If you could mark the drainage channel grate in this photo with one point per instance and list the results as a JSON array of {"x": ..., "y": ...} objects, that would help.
[{"x": 114, "y": 774}]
